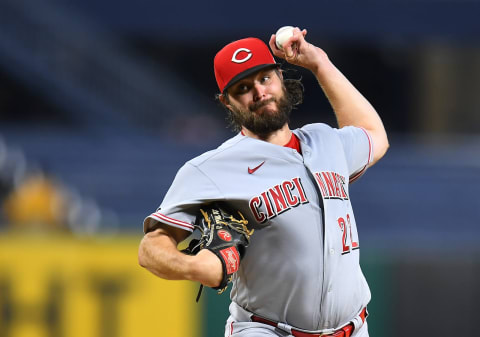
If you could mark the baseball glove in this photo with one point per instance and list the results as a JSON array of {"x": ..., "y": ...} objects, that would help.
[{"x": 224, "y": 234}]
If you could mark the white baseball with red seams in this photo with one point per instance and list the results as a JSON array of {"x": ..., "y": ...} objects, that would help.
[{"x": 302, "y": 265}]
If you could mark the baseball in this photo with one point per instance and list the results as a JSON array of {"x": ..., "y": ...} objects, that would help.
[{"x": 282, "y": 35}]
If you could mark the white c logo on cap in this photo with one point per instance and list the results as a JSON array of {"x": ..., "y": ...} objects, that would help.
[{"x": 245, "y": 59}]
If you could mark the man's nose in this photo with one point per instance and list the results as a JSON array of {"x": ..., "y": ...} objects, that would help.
[{"x": 258, "y": 91}]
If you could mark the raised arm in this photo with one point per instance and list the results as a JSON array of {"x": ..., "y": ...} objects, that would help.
[
  {"x": 158, "y": 253},
  {"x": 350, "y": 106}
]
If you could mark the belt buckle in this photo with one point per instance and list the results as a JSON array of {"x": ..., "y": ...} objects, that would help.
[
  {"x": 289, "y": 329},
  {"x": 328, "y": 333},
  {"x": 332, "y": 332},
  {"x": 325, "y": 333}
]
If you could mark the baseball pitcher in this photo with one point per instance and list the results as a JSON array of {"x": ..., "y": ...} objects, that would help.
[{"x": 273, "y": 204}]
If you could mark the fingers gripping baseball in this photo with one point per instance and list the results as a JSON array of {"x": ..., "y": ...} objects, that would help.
[
  {"x": 292, "y": 47},
  {"x": 297, "y": 51}
]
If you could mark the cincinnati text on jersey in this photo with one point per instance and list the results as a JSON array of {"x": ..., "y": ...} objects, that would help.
[{"x": 290, "y": 193}]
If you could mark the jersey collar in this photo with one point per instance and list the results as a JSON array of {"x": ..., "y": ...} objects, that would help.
[{"x": 293, "y": 143}]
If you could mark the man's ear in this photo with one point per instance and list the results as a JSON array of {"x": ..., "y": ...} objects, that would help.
[
  {"x": 280, "y": 73},
  {"x": 224, "y": 100}
]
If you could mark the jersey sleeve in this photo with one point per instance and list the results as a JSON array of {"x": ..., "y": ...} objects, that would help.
[
  {"x": 190, "y": 189},
  {"x": 358, "y": 149}
]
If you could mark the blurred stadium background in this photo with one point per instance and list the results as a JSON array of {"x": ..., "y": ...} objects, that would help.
[{"x": 102, "y": 101}]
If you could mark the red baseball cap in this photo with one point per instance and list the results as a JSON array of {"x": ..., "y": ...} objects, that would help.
[{"x": 240, "y": 59}]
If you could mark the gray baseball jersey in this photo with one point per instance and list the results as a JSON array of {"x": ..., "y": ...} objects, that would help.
[{"x": 302, "y": 264}]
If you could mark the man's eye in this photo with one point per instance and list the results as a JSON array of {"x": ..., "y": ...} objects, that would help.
[{"x": 242, "y": 88}]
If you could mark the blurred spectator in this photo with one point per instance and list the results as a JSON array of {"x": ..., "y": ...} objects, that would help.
[
  {"x": 38, "y": 202},
  {"x": 33, "y": 200}
]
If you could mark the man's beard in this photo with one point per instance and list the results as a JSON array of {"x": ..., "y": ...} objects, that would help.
[{"x": 264, "y": 123}]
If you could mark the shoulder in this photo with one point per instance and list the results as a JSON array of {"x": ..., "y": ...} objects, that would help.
[
  {"x": 322, "y": 130},
  {"x": 226, "y": 149},
  {"x": 325, "y": 136},
  {"x": 316, "y": 127},
  {"x": 314, "y": 133}
]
